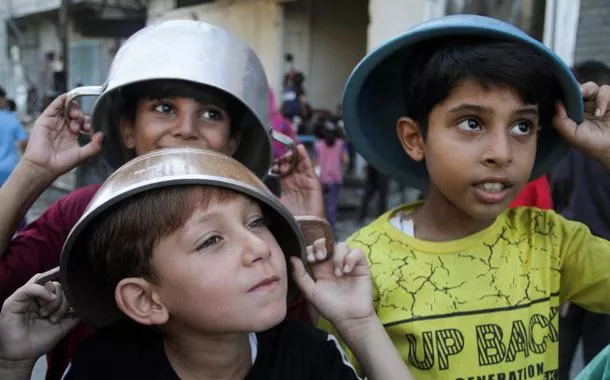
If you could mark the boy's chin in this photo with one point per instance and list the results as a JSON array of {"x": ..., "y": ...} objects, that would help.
[
  {"x": 486, "y": 212},
  {"x": 267, "y": 318}
]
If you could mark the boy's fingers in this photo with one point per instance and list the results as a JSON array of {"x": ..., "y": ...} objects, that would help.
[
  {"x": 93, "y": 147},
  {"x": 304, "y": 162},
  {"x": 51, "y": 307},
  {"x": 319, "y": 248},
  {"x": 602, "y": 99},
  {"x": 74, "y": 112},
  {"x": 62, "y": 310},
  {"x": 311, "y": 258},
  {"x": 341, "y": 252},
  {"x": 286, "y": 156},
  {"x": 353, "y": 258},
  {"x": 563, "y": 124},
  {"x": 75, "y": 126},
  {"x": 21, "y": 299},
  {"x": 302, "y": 278},
  {"x": 589, "y": 89},
  {"x": 87, "y": 124},
  {"x": 56, "y": 107}
]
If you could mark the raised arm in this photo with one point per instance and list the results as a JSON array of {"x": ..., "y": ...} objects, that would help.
[
  {"x": 342, "y": 293},
  {"x": 52, "y": 150}
]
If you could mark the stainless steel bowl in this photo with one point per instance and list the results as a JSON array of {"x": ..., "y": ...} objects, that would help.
[
  {"x": 163, "y": 168},
  {"x": 193, "y": 51}
]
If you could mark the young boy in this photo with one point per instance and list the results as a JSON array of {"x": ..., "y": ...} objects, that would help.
[
  {"x": 471, "y": 107},
  {"x": 204, "y": 284},
  {"x": 146, "y": 112}
]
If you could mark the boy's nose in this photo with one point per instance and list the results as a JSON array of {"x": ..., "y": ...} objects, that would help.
[
  {"x": 186, "y": 127},
  {"x": 254, "y": 248},
  {"x": 499, "y": 151}
]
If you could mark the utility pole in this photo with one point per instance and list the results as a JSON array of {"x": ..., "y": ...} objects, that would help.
[{"x": 64, "y": 31}]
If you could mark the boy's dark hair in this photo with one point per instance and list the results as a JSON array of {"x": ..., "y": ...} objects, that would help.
[
  {"x": 12, "y": 106},
  {"x": 437, "y": 67},
  {"x": 592, "y": 71},
  {"x": 168, "y": 88},
  {"x": 120, "y": 243},
  {"x": 2, "y": 93}
]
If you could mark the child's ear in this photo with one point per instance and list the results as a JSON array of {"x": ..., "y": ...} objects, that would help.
[
  {"x": 127, "y": 133},
  {"x": 233, "y": 143},
  {"x": 411, "y": 138},
  {"x": 137, "y": 299}
]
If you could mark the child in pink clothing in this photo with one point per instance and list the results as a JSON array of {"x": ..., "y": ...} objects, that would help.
[
  {"x": 280, "y": 124},
  {"x": 331, "y": 154}
]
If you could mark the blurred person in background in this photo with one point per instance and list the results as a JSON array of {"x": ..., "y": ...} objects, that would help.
[
  {"x": 376, "y": 183},
  {"x": 581, "y": 192},
  {"x": 331, "y": 155},
  {"x": 281, "y": 124},
  {"x": 13, "y": 139}
]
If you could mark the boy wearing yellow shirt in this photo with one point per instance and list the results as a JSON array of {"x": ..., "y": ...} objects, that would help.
[{"x": 471, "y": 108}]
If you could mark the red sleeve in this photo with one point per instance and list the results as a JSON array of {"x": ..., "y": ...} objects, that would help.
[
  {"x": 38, "y": 246},
  {"x": 535, "y": 194}
]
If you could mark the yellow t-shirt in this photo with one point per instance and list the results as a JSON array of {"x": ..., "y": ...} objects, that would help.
[{"x": 485, "y": 306}]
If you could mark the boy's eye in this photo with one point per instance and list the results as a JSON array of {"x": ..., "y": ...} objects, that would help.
[
  {"x": 164, "y": 108},
  {"x": 259, "y": 222},
  {"x": 212, "y": 114},
  {"x": 209, "y": 242},
  {"x": 522, "y": 128},
  {"x": 469, "y": 124}
]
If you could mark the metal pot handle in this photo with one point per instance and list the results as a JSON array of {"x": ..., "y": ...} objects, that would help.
[
  {"x": 315, "y": 228},
  {"x": 82, "y": 91},
  {"x": 291, "y": 145}
]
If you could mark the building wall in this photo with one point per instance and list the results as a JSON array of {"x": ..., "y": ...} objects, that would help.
[
  {"x": 390, "y": 18},
  {"x": 19, "y": 8},
  {"x": 593, "y": 31},
  {"x": 5, "y": 66},
  {"x": 259, "y": 23},
  {"x": 338, "y": 40},
  {"x": 297, "y": 37},
  {"x": 327, "y": 39},
  {"x": 38, "y": 22}
]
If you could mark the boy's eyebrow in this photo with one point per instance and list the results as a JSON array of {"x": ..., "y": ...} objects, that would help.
[
  {"x": 469, "y": 108},
  {"x": 525, "y": 110},
  {"x": 531, "y": 110}
]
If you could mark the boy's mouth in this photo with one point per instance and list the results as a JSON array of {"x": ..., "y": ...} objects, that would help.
[
  {"x": 492, "y": 190},
  {"x": 494, "y": 187},
  {"x": 266, "y": 284}
]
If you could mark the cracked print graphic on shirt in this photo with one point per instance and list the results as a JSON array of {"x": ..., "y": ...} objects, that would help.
[{"x": 482, "y": 307}]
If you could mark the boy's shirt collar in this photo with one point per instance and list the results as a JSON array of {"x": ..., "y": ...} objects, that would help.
[{"x": 384, "y": 225}]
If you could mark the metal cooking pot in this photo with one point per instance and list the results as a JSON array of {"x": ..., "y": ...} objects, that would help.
[
  {"x": 197, "y": 52},
  {"x": 163, "y": 168}
]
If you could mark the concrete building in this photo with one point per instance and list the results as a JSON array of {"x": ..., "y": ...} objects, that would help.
[
  {"x": 31, "y": 31},
  {"x": 326, "y": 38}
]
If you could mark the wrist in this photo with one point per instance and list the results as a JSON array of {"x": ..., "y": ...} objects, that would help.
[
  {"x": 357, "y": 326},
  {"x": 33, "y": 172}
]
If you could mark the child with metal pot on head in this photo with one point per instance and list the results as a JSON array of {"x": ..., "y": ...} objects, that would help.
[
  {"x": 181, "y": 259},
  {"x": 168, "y": 87},
  {"x": 471, "y": 108}
]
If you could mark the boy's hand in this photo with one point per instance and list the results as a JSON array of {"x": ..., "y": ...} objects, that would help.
[
  {"x": 341, "y": 288},
  {"x": 53, "y": 144},
  {"x": 301, "y": 189},
  {"x": 33, "y": 320},
  {"x": 592, "y": 136}
]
